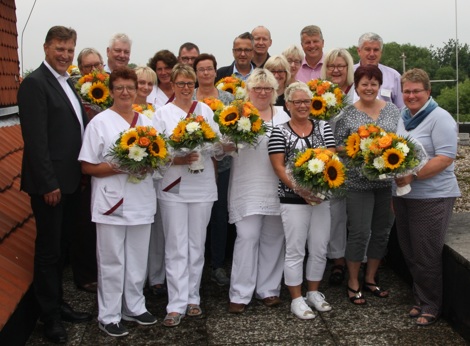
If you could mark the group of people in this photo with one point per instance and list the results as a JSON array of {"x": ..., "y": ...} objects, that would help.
[{"x": 155, "y": 231}]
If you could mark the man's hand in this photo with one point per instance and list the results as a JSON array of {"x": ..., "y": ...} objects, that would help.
[{"x": 52, "y": 198}]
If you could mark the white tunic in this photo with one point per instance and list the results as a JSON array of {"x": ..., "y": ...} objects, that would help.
[
  {"x": 191, "y": 188},
  {"x": 139, "y": 204},
  {"x": 253, "y": 183}
]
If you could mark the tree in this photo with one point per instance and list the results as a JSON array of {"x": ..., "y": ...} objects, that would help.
[
  {"x": 445, "y": 56},
  {"x": 447, "y": 99}
]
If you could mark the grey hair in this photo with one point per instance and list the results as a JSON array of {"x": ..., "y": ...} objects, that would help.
[
  {"x": 297, "y": 86},
  {"x": 261, "y": 75},
  {"x": 370, "y": 37},
  {"x": 85, "y": 52},
  {"x": 311, "y": 30},
  {"x": 119, "y": 37},
  {"x": 294, "y": 51}
]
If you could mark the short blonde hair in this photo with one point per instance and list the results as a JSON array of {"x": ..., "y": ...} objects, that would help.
[
  {"x": 262, "y": 75},
  {"x": 146, "y": 71},
  {"x": 294, "y": 51},
  {"x": 183, "y": 70},
  {"x": 297, "y": 86},
  {"x": 276, "y": 62},
  {"x": 416, "y": 75},
  {"x": 341, "y": 53}
]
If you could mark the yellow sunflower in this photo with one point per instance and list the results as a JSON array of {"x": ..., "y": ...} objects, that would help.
[
  {"x": 304, "y": 157},
  {"x": 393, "y": 158},
  {"x": 229, "y": 116},
  {"x": 323, "y": 156},
  {"x": 318, "y": 106},
  {"x": 353, "y": 144},
  {"x": 178, "y": 131},
  {"x": 256, "y": 126},
  {"x": 129, "y": 138},
  {"x": 98, "y": 92},
  {"x": 207, "y": 131},
  {"x": 158, "y": 147},
  {"x": 229, "y": 87},
  {"x": 334, "y": 173}
]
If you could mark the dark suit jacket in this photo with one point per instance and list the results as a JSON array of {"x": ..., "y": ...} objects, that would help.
[
  {"x": 51, "y": 134},
  {"x": 226, "y": 71}
]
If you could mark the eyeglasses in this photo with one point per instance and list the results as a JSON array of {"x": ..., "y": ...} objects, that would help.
[
  {"x": 204, "y": 69},
  {"x": 98, "y": 65},
  {"x": 295, "y": 62},
  {"x": 120, "y": 88},
  {"x": 181, "y": 85},
  {"x": 242, "y": 50},
  {"x": 258, "y": 90},
  {"x": 278, "y": 71},
  {"x": 298, "y": 103},
  {"x": 338, "y": 67},
  {"x": 412, "y": 92},
  {"x": 187, "y": 59}
]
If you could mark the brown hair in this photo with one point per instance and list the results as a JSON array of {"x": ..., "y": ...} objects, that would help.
[
  {"x": 123, "y": 73},
  {"x": 61, "y": 33},
  {"x": 369, "y": 71}
]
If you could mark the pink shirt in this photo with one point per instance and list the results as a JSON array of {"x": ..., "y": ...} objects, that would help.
[{"x": 306, "y": 72}]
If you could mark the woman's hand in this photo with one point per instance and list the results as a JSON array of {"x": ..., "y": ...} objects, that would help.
[
  {"x": 403, "y": 181},
  {"x": 187, "y": 159}
]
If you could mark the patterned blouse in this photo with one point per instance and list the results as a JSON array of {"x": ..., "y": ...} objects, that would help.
[
  {"x": 285, "y": 141},
  {"x": 349, "y": 122}
]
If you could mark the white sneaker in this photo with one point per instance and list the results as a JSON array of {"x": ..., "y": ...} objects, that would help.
[
  {"x": 317, "y": 300},
  {"x": 300, "y": 309}
]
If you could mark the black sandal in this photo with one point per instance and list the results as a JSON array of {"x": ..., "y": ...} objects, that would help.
[
  {"x": 415, "y": 311},
  {"x": 377, "y": 291},
  {"x": 337, "y": 274},
  {"x": 429, "y": 319},
  {"x": 357, "y": 296}
]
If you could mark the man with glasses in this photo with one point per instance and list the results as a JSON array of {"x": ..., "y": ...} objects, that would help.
[
  {"x": 118, "y": 52},
  {"x": 311, "y": 38},
  {"x": 89, "y": 59},
  {"x": 369, "y": 48},
  {"x": 243, "y": 54},
  {"x": 187, "y": 53},
  {"x": 262, "y": 42}
]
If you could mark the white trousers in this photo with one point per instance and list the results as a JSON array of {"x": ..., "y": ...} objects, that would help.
[
  {"x": 156, "y": 261},
  {"x": 184, "y": 225},
  {"x": 305, "y": 224},
  {"x": 338, "y": 233},
  {"x": 121, "y": 253},
  {"x": 258, "y": 258}
]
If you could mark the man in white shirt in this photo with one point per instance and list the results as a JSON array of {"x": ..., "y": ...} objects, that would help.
[{"x": 118, "y": 52}]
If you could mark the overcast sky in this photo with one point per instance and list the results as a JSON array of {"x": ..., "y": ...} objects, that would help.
[{"x": 155, "y": 25}]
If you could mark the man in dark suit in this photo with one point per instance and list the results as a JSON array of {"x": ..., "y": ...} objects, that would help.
[
  {"x": 52, "y": 123},
  {"x": 242, "y": 53}
]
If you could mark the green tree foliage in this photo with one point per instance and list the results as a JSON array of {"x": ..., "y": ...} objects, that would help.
[
  {"x": 132, "y": 65},
  {"x": 447, "y": 100},
  {"x": 445, "y": 56}
]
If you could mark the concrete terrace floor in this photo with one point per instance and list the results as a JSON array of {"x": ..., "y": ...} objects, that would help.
[{"x": 380, "y": 322}]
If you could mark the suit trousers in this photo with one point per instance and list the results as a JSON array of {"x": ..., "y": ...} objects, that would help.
[
  {"x": 122, "y": 253},
  {"x": 305, "y": 224},
  {"x": 185, "y": 228},
  {"x": 55, "y": 227},
  {"x": 156, "y": 260},
  {"x": 258, "y": 258}
]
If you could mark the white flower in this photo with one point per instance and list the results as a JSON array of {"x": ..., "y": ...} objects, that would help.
[
  {"x": 148, "y": 113},
  {"x": 192, "y": 127},
  {"x": 403, "y": 148},
  {"x": 330, "y": 99},
  {"x": 379, "y": 163},
  {"x": 137, "y": 153},
  {"x": 365, "y": 143},
  {"x": 244, "y": 124},
  {"x": 85, "y": 88},
  {"x": 316, "y": 166},
  {"x": 220, "y": 86},
  {"x": 240, "y": 93}
]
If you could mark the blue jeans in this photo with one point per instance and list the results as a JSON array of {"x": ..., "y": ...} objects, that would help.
[{"x": 219, "y": 221}]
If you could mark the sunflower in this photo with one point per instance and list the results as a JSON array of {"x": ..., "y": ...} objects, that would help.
[
  {"x": 393, "y": 158},
  {"x": 304, "y": 157},
  {"x": 229, "y": 87},
  {"x": 128, "y": 139},
  {"x": 229, "y": 116},
  {"x": 318, "y": 106},
  {"x": 334, "y": 173},
  {"x": 323, "y": 156},
  {"x": 256, "y": 126},
  {"x": 158, "y": 148},
  {"x": 178, "y": 131},
  {"x": 353, "y": 144},
  {"x": 98, "y": 92},
  {"x": 207, "y": 131}
]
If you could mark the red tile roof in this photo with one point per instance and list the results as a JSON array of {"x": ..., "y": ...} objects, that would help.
[
  {"x": 17, "y": 225},
  {"x": 9, "y": 62}
]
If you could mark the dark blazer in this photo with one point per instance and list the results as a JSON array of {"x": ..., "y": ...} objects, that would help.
[
  {"x": 51, "y": 134},
  {"x": 226, "y": 71}
]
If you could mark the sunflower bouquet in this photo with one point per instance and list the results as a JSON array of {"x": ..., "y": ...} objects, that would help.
[
  {"x": 193, "y": 133},
  {"x": 145, "y": 109},
  {"x": 357, "y": 144},
  {"x": 94, "y": 88},
  {"x": 319, "y": 171},
  {"x": 138, "y": 151},
  {"x": 328, "y": 99},
  {"x": 240, "y": 123},
  {"x": 233, "y": 85},
  {"x": 213, "y": 103}
]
